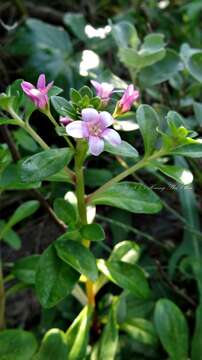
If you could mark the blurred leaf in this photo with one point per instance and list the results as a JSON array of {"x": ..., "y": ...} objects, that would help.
[
  {"x": 65, "y": 211},
  {"x": 125, "y": 34},
  {"x": 77, "y": 23},
  {"x": 195, "y": 65},
  {"x": 126, "y": 251},
  {"x": 53, "y": 346},
  {"x": 92, "y": 232},
  {"x": 128, "y": 276},
  {"x": 172, "y": 329},
  {"x": 63, "y": 107},
  {"x": 190, "y": 150},
  {"x": 198, "y": 112},
  {"x": 48, "y": 162},
  {"x": 141, "y": 331},
  {"x": 162, "y": 70},
  {"x": 97, "y": 177},
  {"x": 25, "y": 269},
  {"x": 108, "y": 343},
  {"x": 196, "y": 347},
  {"x": 78, "y": 256},
  {"x": 124, "y": 149},
  {"x": 10, "y": 237},
  {"x": 54, "y": 278},
  {"x": 25, "y": 141},
  {"x": 17, "y": 344},
  {"x": 77, "y": 335},
  {"x": 129, "y": 196},
  {"x": 181, "y": 175},
  {"x": 10, "y": 179},
  {"x": 148, "y": 122}
]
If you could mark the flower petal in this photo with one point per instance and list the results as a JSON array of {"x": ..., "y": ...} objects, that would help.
[
  {"x": 105, "y": 119},
  {"x": 89, "y": 114},
  {"x": 112, "y": 137},
  {"x": 26, "y": 87},
  {"x": 41, "y": 83},
  {"x": 96, "y": 85},
  {"x": 42, "y": 101},
  {"x": 49, "y": 86},
  {"x": 96, "y": 145},
  {"x": 75, "y": 129}
]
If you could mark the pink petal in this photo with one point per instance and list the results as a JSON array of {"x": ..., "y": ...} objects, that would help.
[
  {"x": 41, "y": 83},
  {"x": 42, "y": 101},
  {"x": 65, "y": 120},
  {"x": 26, "y": 87},
  {"x": 96, "y": 145},
  {"x": 105, "y": 119},
  {"x": 89, "y": 114},
  {"x": 49, "y": 86},
  {"x": 96, "y": 85},
  {"x": 76, "y": 129},
  {"x": 112, "y": 137}
]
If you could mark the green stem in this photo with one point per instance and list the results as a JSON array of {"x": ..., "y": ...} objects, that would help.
[
  {"x": 54, "y": 122},
  {"x": 80, "y": 194},
  {"x": 37, "y": 138},
  {"x": 142, "y": 163},
  {"x": 2, "y": 300}
]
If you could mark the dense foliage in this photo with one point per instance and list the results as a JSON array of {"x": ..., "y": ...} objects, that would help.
[{"x": 100, "y": 180}]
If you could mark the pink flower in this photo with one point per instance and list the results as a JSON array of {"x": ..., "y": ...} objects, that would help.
[
  {"x": 103, "y": 90},
  {"x": 93, "y": 127},
  {"x": 65, "y": 120},
  {"x": 129, "y": 97},
  {"x": 39, "y": 93}
]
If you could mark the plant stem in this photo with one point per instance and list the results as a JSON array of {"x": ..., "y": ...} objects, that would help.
[
  {"x": 37, "y": 138},
  {"x": 80, "y": 193},
  {"x": 145, "y": 161},
  {"x": 54, "y": 122},
  {"x": 2, "y": 300}
]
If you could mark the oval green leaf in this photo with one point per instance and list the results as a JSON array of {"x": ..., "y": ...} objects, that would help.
[
  {"x": 46, "y": 163},
  {"x": 133, "y": 197},
  {"x": 54, "y": 278},
  {"x": 17, "y": 344},
  {"x": 172, "y": 329}
]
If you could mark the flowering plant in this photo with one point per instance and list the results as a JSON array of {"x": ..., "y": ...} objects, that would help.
[{"x": 69, "y": 265}]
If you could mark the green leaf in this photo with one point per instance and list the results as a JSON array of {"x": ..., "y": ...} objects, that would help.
[
  {"x": 78, "y": 334},
  {"x": 194, "y": 65},
  {"x": 54, "y": 278},
  {"x": 196, "y": 346},
  {"x": 124, "y": 149},
  {"x": 65, "y": 211},
  {"x": 75, "y": 96},
  {"x": 10, "y": 237},
  {"x": 181, "y": 175},
  {"x": 53, "y": 346},
  {"x": 148, "y": 122},
  {"x": 25, "y": 269},
  {"x": 5, "y": 121},
  {"x": 125, "y": 34},
  {"x": 162, "y": 70},
  {"x": 190, "y": 150},
  {"x": 10, "y": 179},
  {"x": 141, "y": 331},
  {"x": 172, "y": 329},
  {"x": 133, "y": 197},
  {"x": 109, "y": 340},
  {"x": 76, "y": 22},
  {"x": 128, "y": 276},
  {"x": 46, "y": 163},
  {"x": 62, "y": 106},
  {"x": 17, "y": 344},
  {"x": 92, "y": 232},
  {"x": 197, "y": 112},
  {"x": 78, "y": 256},
  {"x": 23, "y": 211},
  {"x": 86, "y": 91},
  {"x": 25, "y": 140},
  {"x": 97, "y": 177},
  {"x": 126, "y": 251}
]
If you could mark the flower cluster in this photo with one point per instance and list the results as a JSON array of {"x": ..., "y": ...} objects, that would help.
[{"x": 94, "y": 125}]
